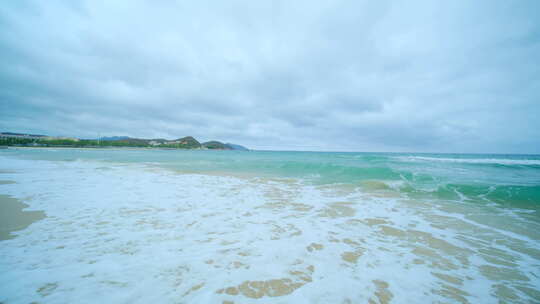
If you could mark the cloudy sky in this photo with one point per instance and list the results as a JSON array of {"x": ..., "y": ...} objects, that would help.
[{"x": 447, "y": 76}]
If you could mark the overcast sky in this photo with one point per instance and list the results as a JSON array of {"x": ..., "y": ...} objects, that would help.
[{"x": 446, "y": 76}]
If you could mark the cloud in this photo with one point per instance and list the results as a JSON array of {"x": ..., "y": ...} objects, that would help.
[{"x": 457, "y": 76}]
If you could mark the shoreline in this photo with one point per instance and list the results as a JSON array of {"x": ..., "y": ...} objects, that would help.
[
  {"x": 205, "y": 238},
  {"x": 109, "y": 148}
]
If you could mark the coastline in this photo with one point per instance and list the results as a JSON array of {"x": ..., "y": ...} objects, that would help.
[
  {"x": 187, "y": 142},
  {"x": 115, "y": 228},
  {"x": 113, "y": 148}
]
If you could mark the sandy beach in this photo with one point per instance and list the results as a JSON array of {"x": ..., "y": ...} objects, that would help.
[{"x": 134, "y": 226}]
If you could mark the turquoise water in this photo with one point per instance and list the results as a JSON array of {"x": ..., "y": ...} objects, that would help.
[
  {"x": 282, "y": 227},
  {"x": 508, "y": 180}
]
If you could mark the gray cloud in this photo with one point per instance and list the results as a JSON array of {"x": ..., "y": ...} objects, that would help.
[{"x": 454, "y": 76}]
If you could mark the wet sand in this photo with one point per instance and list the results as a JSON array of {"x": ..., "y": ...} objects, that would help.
[
  {"x": 6, "y": 182},
  {"x": 13, "y": 217},
  {"x": 115, "y": 228}
]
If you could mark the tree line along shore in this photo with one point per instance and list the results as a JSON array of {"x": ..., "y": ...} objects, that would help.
[{"x": 187, "y": 142}]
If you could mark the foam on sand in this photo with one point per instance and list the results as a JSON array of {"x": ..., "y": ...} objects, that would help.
[{"x": 140, "y": 234}]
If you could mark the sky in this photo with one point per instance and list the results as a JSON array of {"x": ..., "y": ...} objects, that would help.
[{"x": 396, "y": 76}]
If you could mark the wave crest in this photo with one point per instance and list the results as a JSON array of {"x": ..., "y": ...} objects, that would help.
[{"x": 499, "y": 161}]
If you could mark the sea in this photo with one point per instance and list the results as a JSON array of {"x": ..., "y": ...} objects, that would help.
[{"x": 183, "y": 226}]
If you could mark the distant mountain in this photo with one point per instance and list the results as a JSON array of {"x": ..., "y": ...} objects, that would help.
[
  {"x": 188, "y": 142},
  {"x": 215, "y": 145},
  {"x": 237, "y": 147}
]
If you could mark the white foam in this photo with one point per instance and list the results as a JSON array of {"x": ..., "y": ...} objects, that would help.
[
  {"x": 141, "y": 234},
  {"x": 501, "y": 161}
]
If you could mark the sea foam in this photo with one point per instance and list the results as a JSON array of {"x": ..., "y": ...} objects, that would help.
[
  {"x": 500, "y": 161},
  {"x": 138, "y": 233}
]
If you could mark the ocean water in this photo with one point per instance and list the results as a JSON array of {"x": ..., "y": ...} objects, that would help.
[{"x": 169, "y": 226}]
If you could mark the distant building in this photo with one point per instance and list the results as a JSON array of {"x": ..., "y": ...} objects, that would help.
[
  {"x": 33, "y": 136},
  {"x": 21, "y": 135}
]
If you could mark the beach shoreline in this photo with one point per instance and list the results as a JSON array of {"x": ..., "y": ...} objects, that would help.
[{"x": 118, "y": 222}]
